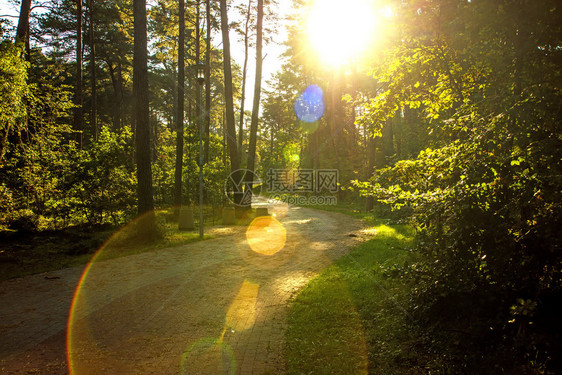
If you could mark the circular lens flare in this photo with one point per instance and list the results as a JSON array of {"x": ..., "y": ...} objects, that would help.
[
  {"x": 87, "y": 343},
  {"x": 266, "y": 235},
  {"x": 309, "y": 106}
]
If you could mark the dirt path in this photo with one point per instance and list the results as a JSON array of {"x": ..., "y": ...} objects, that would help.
[{"x": 204, "y": 308}]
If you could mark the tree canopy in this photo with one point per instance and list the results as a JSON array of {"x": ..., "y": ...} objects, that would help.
[{"x": 445, "y": 115}]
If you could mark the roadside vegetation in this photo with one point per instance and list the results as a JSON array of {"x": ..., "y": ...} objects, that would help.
[
  {"x": 26, "y": 253},
  {"x": 352, "y": 318},
  {"x": 370, "y": 312},
  {"x": 447, "y": 116}
]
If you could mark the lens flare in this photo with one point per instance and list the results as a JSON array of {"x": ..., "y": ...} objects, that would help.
[
  {"x": 208, "y": 356},
  {"x": 309, "y": 106},
  {"x": 308, "y": 127},
  {"x": 321, "y": 245},
  {"x": 86, "y": 343},
  {"x": 340, "y": 31},
  {"x": 266, "y": 235},
  {"x": 291, "y": 154},
  {"x": 241, "y": 314}
]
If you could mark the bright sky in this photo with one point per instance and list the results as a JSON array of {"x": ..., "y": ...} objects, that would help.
[
  {"x": 6, "y": 8},
  {"x": 272, "y": 52}
]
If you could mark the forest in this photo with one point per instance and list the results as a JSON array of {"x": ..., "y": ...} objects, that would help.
[{"x": 443, "y": 115}]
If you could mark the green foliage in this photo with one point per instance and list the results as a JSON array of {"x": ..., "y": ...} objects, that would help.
[
  {"x": 108, "y": 163},
  {"x": 34, "y": 147},
  {"x": 215, "y": 174},
  {"x": 47, "y": 181},
  {"x": 486, "y": 194},
  {"x": 13, "y": 91},
  {"x": 351, "y": 318},
  {"x": 50, "y": 181},
  {"x": 281, "y": 130}
]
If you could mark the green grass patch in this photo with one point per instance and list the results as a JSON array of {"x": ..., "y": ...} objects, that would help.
[
  {"x": 122, "y": 243},
  {"x": 23, "y": 254},
  {"x": 342, "y": 208},
  {"x": 352, "y": 318}
]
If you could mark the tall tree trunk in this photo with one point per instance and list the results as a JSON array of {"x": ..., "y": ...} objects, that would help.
[
  {"x": 371, "y": 151},
  {"x": 244, "y": 74},
  {"x": 398, "y": 133},
  {"x": 116, "y": 81},
  {"x": 93, "y": 112},
  {"x": 179, "y": 109},
  {"x": 224, "y": 136},
  {"x": 334, "y": 126},
  {"x": 229, "y": 104},
  {"x": 271, "y": 150},
  {"x": 257, "y": 89},
  {"x": 141, "y": 109},
  {"x": 121, "y": 98},
  {"x": 207, "y": 84},
  {"x": 387, "y": 132},
  {"x": 256, "y": 105},
  {"x": 198, "y": 107},
  {"x": 22, "y": 32},
  {"x": 78, "y": 101},
  {"x": 197, "y": 57}
]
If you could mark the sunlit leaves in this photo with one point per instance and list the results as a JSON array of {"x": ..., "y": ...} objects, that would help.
[
  {"x": 13, "y": 91},
  {"x": 486, "y": 195}
]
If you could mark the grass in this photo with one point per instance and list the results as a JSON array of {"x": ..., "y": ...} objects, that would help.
[
  {"x": 351, "y": 209},
  {"x": 122, "y": 242},
  {"x": 352, "y": 319},
  {"x": 342, "y": 208},
  {"x": 23, "y": 254}
]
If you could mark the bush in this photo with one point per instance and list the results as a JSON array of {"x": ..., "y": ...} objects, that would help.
[{"x": 23, "y": 221}]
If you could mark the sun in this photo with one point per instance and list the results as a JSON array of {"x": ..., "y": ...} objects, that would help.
[{"x": 339, "y": 31}]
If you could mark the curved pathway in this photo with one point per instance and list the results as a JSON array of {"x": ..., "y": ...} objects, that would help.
[{"x": 209, "y": 307}]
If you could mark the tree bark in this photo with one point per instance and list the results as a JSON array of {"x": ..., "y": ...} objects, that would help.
[
  {"x": 121, "y": 99},
  {"x": 180, "y": 109},
  {"x": 388, "y": 136},
  {"x": 93, "y": 112},
  {"x": 207, "y": 84},
  {"x": 197, "y": 58},
  {"x": 371, "y": 151},
  {"x": 244, "y": 74},
  {"x": 229, "y": 102},
  {"x": 78, "y": 100},
  {"x": 117, "y": 83},
  {"x": 141, "y": 109},
  {"x": 257, "y": 89},
  {"x": 256, "y": 105},
  {"x": 22, "y": 32}
]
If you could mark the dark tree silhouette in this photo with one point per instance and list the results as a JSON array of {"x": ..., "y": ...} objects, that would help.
[
  {"x": 229, "y": 103},
  {"x": 180, "y": 108},
  {"x": 257, "y": 89},
  {"x": 141, "y": 109},
  {"x": 93, "y": 112},
  {"x": 78, "y": 100},
  {"x": 22, "y": 32}
]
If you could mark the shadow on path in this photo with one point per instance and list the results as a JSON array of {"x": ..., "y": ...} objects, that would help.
[{"x": 209, "y": 307}]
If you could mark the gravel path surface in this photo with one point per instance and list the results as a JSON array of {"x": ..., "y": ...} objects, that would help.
[{"x": 209, "y": 307}]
